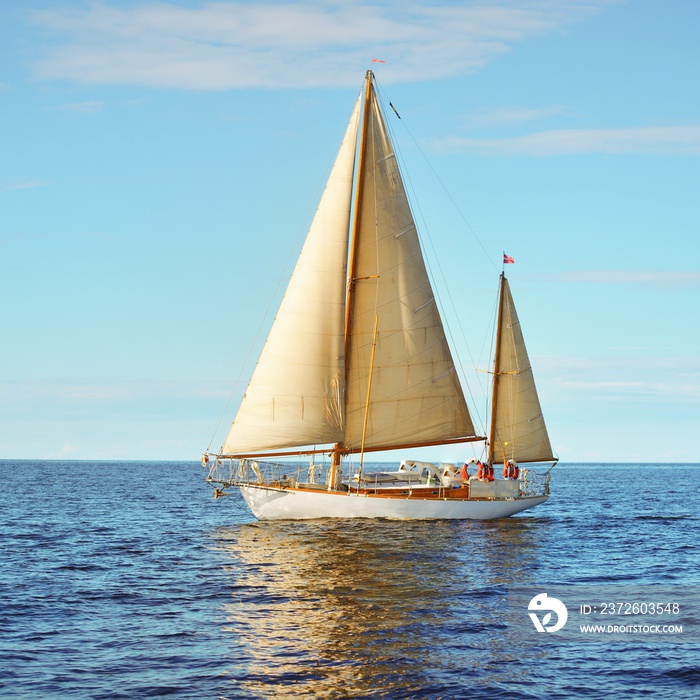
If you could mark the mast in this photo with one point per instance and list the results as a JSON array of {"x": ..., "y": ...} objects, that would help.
[
  {"x": 356, "y": 218},
  {"x": 496, "y": 370},
  {"x": 338, "y": 447}
]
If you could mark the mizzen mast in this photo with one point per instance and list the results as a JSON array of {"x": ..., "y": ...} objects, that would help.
[{"x": 496, "y": 371}]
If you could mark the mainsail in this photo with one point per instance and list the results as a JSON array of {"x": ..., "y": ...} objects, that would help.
[
  {"x": 518, "y": 430},
  {"x": 310, "y": 386},
  {"x": 416, "y": 395}
]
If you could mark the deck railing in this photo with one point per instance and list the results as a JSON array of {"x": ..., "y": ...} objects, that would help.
[
  {"x": 243, "y": 472},
  {"x": 533, "y": 483},
  {"x": 224, "y": 473}
]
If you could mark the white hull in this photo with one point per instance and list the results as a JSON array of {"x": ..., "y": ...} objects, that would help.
[{"x": 268, "y": 503}]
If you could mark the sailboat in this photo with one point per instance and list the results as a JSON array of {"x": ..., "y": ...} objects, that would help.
[{"x": 357, "y": 362}]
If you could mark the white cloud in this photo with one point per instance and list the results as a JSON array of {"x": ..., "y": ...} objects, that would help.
[
  {"x": 652, "y": 139},
  {"x": 67, "y": 449},
  {"x": 658, "y": 279},
  {"x": 508, "y": 115},
  {"x": 83, "y": 107},
  {"x": 623, "y": 379},
  {"x": 107, "y": 392},
  {"x": 28, "y": 185},
  {"x": 223, "y": 45}
]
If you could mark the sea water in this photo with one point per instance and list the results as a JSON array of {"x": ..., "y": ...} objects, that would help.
[{"x": 127, "y": 580}]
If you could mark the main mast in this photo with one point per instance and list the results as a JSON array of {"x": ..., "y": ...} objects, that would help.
[{"x": 338, "y": 447}]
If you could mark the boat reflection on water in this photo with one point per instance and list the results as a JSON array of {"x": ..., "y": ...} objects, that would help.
[{"x": 349, "y": 608}]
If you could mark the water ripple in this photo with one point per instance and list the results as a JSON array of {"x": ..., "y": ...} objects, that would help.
[{"x": 126, "y": 580}]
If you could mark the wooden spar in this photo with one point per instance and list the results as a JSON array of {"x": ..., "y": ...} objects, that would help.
[
  {"x": 496, "y": 371},
  {"x": 356, "y": 216},
  {"x": 414, "y": 445},
  {"x": 369, "y": 391},
  {"x": 285, "y": 453},
  {"x": 339, "y": 448},
  {"x": 352, "y": 450}
]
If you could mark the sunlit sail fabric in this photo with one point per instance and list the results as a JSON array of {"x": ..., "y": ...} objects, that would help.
[
  {"x": 415, "y": 394},
  {"x": 520, "y": 432},
  {"x": 295, "y": 395}
]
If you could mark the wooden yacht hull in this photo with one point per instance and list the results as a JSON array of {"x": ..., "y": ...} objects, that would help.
[{"x": 270, "y": 503}]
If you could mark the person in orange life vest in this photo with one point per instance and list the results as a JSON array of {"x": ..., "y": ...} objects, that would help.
[
  {"x": 484, "y": 472},
  {"x": 465, "y": 470}
]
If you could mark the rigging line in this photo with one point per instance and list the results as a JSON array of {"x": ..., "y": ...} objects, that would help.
[
  {"x": 514, "y": 396},
  {"x": 415, "y": 204},
  {"x": 238, "y": 379},
  {"x": 253, "y": 343},
  {"x": 369, "y": 391},
  {"x": 484, "y": 390},
  {"x": 442, "y": 184},
  {"x": 491, "y": 353}
]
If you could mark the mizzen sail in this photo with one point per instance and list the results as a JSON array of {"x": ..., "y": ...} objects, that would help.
[{"x": 518, "y": 430}]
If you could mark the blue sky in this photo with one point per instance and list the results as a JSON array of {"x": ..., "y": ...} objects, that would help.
[{"x": 160, "y": 162}]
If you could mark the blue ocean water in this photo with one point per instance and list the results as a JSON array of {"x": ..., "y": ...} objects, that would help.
[{"x": 127, "y": 580}]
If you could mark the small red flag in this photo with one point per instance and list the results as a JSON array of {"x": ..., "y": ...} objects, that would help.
[
  {"x": 377, "y": 60},
  {"x": 507, "y": 259}
]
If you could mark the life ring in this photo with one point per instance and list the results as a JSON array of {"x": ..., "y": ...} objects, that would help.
[
  {"x": 506, "y": 470},
  {"x": 479, "y": 470},
  {"x": 465, "y": 472}
]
